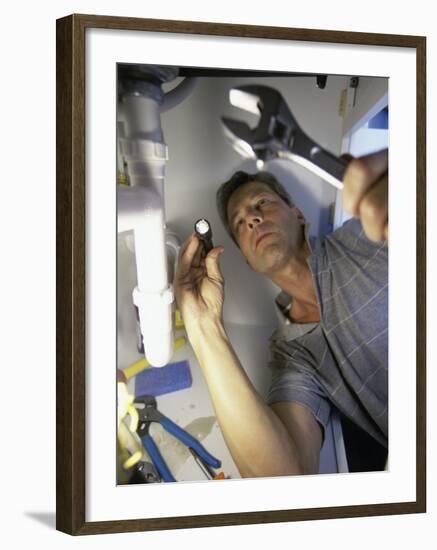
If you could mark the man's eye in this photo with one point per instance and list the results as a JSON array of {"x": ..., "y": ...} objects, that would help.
[{"x": 261, "y": 202}]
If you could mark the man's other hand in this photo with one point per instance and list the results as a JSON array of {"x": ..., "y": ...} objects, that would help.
[{"x": 365, "y": 193}]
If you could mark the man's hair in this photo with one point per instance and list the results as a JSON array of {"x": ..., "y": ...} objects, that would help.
[{"x": 235, "y": 182}]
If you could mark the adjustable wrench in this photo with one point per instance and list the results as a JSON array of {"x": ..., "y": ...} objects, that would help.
[{"x": 278, "y": 135}]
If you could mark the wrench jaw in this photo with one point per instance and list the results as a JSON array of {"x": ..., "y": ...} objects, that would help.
[
  {"x": 239, "y": 134},
  {"x": 243, "y": 98},
  {"x": 278, "y": 135},
  {"x": 248, "y": 145},
  {"x": 274, "y": 131},
  {"x": 244, "y": 139}
]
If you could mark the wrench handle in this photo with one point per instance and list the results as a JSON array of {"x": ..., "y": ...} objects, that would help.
[{"x": 328, "y": 162}]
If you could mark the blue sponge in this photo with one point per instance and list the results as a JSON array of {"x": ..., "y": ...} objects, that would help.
[{"x": 159, "y": 380}]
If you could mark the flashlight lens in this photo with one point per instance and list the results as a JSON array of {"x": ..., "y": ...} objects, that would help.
[{"x": 202, "y": 227}]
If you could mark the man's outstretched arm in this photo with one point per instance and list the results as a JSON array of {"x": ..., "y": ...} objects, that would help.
[{"x": 263, "y": 441}]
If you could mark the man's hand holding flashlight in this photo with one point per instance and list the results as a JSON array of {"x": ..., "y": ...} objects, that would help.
[{"x": 199, "y": 285}]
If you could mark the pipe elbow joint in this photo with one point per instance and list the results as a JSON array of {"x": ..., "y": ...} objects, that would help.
[{"x": 155, "y": 312}]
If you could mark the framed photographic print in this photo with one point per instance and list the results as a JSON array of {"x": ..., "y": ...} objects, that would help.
[{"x": 168, "y": 415}]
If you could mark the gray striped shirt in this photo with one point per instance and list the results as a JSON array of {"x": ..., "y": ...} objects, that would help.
[{"x": 343, "y": 359}]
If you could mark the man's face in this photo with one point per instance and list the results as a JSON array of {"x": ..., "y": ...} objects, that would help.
[{"x": 268, "y": 231}]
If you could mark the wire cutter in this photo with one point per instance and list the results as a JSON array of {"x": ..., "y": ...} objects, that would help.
[
  {"x": 148, "y": 413},
  {"x": 277, "y": 134}
]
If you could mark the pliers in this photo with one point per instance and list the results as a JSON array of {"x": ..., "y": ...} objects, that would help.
[
  {"x": 277, "y": 134},
  {"x": 148, "y": 413},
  {"x": 144, "y": 472}
]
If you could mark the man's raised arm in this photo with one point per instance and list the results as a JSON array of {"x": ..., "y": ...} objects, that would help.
[{"x": 262, "y": 441}]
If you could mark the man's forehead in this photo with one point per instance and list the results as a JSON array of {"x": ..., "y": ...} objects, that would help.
[{"x": 246, "y": 191}]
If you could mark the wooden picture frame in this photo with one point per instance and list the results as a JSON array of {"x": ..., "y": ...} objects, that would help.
[{"x": 71, "y": 288}]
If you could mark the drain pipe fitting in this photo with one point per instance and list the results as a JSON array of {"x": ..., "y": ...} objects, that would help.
[{"x": 140, "y": 206}]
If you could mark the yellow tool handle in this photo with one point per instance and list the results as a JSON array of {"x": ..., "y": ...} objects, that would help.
[
  {"x": 128, "y": 441},
  {"x": 179, "y": 322}
]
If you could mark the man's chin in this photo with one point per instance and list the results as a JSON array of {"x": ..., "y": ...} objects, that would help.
[{"x": 270, "y": 261}]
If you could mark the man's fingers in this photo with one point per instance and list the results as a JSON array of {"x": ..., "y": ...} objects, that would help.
[
  {"x": 212, "y": 264},
  {"x": 373, "y": 211},
  {"x": 187, "y": 254},
  {"x": 185, "y": 245},
  {"x": 200, "y": 253},
  {"x": 359, "y": 177}
]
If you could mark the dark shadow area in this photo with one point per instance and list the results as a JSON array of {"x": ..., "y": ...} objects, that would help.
[
  {"x": 364, "y": 454},
  {"x": 46, "y": 518}
]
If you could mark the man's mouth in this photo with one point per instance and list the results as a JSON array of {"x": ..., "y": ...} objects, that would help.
[{"x": 261, "y": 237}]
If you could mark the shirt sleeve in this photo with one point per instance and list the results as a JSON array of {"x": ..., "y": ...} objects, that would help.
[{"x": 295, "y": 383}]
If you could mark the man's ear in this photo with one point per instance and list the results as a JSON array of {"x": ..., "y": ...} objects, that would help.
[{"x": 299, "y": 215}]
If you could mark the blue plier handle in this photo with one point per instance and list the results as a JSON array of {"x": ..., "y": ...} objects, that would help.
[
  {"x": 156, "y": 458},
  {"x": 148, "y": 413}
]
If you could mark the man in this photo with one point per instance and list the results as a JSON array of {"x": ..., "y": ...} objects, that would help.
[{"x": 334, "y": 349}]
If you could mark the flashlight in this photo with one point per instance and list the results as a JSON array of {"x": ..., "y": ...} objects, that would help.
[{"x": 203, "y": 230}]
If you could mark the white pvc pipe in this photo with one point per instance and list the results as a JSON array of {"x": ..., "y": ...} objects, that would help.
[
  {"x": 142, "y": 118},
  {"x": 153, "y": 296},
  {"x": 178, "y": 94},
  {"x": 141, "y": 209},
  {"x": 132, "y": 204}
]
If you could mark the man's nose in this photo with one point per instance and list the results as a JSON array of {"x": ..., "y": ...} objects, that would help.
[{"x": 254, "y": 217}]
